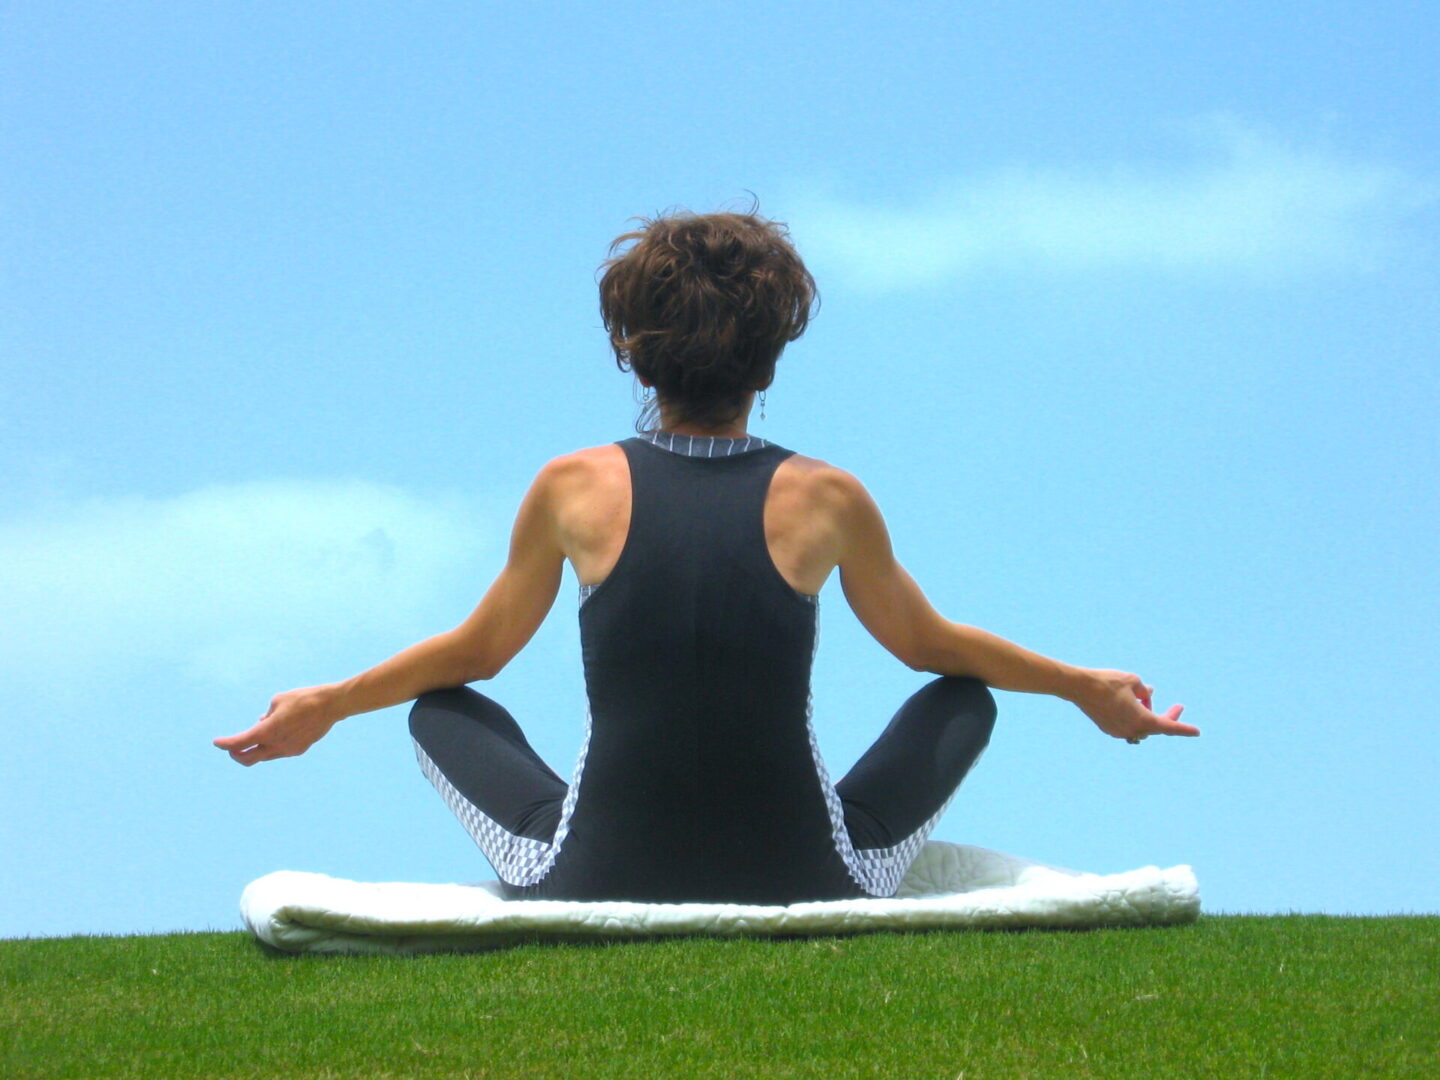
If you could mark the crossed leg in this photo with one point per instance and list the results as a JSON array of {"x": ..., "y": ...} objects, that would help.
[{"x": 512, "y": 803}]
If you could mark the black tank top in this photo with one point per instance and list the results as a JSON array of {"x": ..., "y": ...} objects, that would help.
[{"x": 699, "y": 781}]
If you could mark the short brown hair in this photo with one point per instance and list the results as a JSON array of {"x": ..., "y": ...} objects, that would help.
[{"x": 701, "y": 307}]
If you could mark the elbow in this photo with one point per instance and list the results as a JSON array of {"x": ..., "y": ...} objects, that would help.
[
  {"x": 934, "y": 657},
  {"x": 923, "y": 645},
  {"x": 469, "y": 660},
  {"x": 935, "y": 666},
  {"x": 916, "y": 661},
  {"x": 482, "y": 671},
  {"x": 490, "y": 658},
  {"x": 482, "y": 665},
  {"x": 921, "y": 656}
]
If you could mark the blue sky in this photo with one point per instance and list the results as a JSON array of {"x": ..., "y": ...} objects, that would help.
[{"x": 1129, "y": 322}]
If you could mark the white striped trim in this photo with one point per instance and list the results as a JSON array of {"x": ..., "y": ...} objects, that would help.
[{"x": 706, "y": 446}]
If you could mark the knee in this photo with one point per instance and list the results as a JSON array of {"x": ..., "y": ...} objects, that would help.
[
  {"x": 432, "y": 705},
  {"x": 969, "y": 701}
]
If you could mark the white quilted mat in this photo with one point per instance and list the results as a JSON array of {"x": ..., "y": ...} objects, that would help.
[{"x": 948, "y": 886}]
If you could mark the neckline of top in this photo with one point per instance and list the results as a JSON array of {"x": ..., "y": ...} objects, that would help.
[{"x": 704, "y": 446}]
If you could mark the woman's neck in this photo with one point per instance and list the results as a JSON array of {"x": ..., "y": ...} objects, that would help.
[{"x": 734, "y": 429}]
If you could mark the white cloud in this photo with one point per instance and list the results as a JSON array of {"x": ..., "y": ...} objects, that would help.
[
  {"x": 1244, "y": 201},
  {"x": 222, "y": 581}
]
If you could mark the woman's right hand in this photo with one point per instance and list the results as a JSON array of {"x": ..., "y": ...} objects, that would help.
[
  {"x": 1119, "y": 704},
  {"x": 295, "y": 721}
]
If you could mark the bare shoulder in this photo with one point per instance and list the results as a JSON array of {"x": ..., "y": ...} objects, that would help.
[
  {"x": 810, "y": 517},
  {"x": 819, "y": 485},
  {"x": 590, "y": 460},
  {"x": 586, "y": 496},
  {"x": 592, "y": 469},
  {"x": 830, "y": 509}
]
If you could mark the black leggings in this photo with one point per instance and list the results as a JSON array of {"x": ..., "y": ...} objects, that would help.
[{"x": 520, "y": 812}]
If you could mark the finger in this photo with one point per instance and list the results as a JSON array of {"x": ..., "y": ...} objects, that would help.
[
  {"x": 235, "y": 742},
  {"x": 270, "y": 750},
  {"x": 249, "y": 744},
  {"x": 1169, "y": 723},
  {"x": 1140, "y": 690},
  {"x": 1188, "y": 730}
]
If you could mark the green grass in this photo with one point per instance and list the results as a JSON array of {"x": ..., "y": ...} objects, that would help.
[{"x": 1231, "y": 996}]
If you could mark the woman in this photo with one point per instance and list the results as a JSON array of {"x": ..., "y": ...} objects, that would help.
[{"x": 700, "y": 551}]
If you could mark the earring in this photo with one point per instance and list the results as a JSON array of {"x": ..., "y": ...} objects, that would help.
[
  {"x": 762, "y": 404},
  {"x": 646, "y": 394}
]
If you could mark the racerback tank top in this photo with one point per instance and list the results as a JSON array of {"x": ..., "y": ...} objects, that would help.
[{"x": 699, "y": 778}]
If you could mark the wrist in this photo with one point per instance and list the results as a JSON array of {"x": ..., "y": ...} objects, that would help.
[
  {"x": 1080, "y": 685},
  {"x": 330, "y": 701}
]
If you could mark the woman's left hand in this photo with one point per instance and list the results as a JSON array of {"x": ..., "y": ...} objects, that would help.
[
  {"x": 1119, "y": 704},
  {"x": 295, "y": 721}
]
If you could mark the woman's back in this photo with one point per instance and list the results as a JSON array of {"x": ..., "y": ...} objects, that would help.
[{"x": 700, "y": 778}]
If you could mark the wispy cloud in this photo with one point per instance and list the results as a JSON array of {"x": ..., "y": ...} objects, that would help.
[
  {"x": 222, "y": 581},
  {"x": 1240, "y": 201}
]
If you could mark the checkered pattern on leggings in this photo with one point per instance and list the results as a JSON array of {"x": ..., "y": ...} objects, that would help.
[
  {"x": 519, "y": 860},
  {"x": 878, "y": 871}
]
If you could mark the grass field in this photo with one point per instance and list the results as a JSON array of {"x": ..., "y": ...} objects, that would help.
[{"x": 1231, "y": 996}]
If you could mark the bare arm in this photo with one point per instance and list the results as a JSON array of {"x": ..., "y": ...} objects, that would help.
[
  {"x": 499, "y": 627},
  {"x": 893, "y": 608}
]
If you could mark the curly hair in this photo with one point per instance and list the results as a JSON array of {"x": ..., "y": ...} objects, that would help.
[{"x": 701, "y": 306}]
